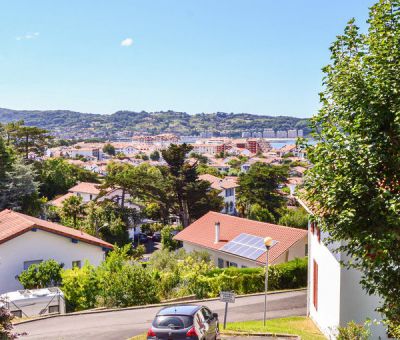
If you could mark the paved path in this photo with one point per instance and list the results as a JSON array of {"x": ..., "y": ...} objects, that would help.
[{"x": 124, "y": 324}]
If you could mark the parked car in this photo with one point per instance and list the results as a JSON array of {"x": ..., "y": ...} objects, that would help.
[
  {"x": 157, "y": 236},
  {"x": 142, "y": 238},
  {"x": 184, "y": 322}
]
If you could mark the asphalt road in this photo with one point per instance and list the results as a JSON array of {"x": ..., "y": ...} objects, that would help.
[{"x": 127, "y": 323}]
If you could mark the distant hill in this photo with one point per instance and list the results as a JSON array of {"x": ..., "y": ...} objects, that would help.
[{"x": 179, "y": 123}]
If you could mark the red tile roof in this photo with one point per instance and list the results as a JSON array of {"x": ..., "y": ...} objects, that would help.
[
  {"x": 58, "y": 202},
  {"x": 219, "y": 183},
  {"x": 13, "y": 224},
  {"x": 202, "y": 233},
  {"x": 86, "y": 187}
]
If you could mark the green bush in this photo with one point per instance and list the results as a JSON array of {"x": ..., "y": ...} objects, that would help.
[
  {"x": 353, "y": 331},
  {"x": 41, "y": 275},
  {"x": 80, "y": 287},
  {"x": 167, "y": 240},
  {"x": 289, "y": 275}
]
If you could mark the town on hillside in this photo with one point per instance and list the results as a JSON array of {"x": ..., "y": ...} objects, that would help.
[{"x": 139, "y": 198}]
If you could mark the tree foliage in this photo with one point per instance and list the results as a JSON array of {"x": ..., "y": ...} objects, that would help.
[
  {"x": 354, "y": 185},
  {"x": 41, "y": 275},
  {"x": 260, "y": 186}
]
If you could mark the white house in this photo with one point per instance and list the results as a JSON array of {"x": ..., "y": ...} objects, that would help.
[
  {"x": 227, "y": 188},
  {"x": 335, "y": 296},
  {"x": 25, "y": 240},
  {"x": 91, "y": 191},
  {"x": 238, "y": 242}
]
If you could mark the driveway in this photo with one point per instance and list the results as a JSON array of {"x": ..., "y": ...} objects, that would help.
[{"x": 127, "y": 323}]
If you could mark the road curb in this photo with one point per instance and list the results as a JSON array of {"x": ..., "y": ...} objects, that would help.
[
  {"x": 162, "y": 304},
  {"x": 237, "y": 333}
]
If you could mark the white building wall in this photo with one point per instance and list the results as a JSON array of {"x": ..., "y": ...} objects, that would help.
[
  {"x": 327, "y": 316},
  {"x": 341, "y": 298},
  {"x": 356, "y": 305},
  {"x": 41, "y": 245}
]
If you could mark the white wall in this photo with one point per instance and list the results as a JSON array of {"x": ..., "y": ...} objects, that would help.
[
  {"x": 327, "y": 316},
  {"x": 298, "y": 250},
  {"x": 341, "y": 298},
  {"x": 41, "y": 245},
  {"x": 356, "y": 305}
]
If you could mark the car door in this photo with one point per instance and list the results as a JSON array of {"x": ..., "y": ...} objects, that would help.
[
  {"x": 210, "y": 323},
  {"x": 200, "y": 325}
]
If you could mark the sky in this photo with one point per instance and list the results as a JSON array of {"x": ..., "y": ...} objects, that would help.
[{"x": 101, "y": 56}]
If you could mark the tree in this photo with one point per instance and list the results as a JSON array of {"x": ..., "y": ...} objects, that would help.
[
  {"x": 56, "y": 176},
  {"x": 30, "y": 139},
  {"x": 260, "y": 186},
  {"x": 354, "y": 185},
  {"x": 167, "y": 241},
  {"x": 41, "y": 275},
  {"x": 258, "y": 213},
  {"x": 72, "y": 208},
  {"x": 297, "y": 217},
  {"x": 20, "y": 190},
  {"x": 6, "y": 325},
  {"x": 109, "y": 149},
  {"x": 155, "y": 156}
]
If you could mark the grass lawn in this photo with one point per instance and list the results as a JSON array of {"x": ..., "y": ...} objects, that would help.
[{"x": 297, "y": 325}]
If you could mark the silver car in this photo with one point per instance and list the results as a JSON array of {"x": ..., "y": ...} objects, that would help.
[{"x": 187, "y": 322}]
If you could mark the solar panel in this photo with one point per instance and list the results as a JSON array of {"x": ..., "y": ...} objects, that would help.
[{"x": 246, "y": 245}]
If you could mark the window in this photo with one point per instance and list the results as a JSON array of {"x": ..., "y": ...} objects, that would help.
[
  {"x": 244, "y": 266},
  {"x": 312, "y": 227},
  {"x": 318, "y": 234},
  {"x": 220, "y": 263},
  {"x": 91, "y": 197},
  {"x": 29, "y": 263},
  {"x": 231, "y": 264},
  {"x": 315, "y": 284},
  {"x": 176, "y": 321},
  {"x": 231, "y": 206},
  {"x": 206, "y": 313},
  {"x": 76, "y": 264},
  {"x": 17, "y": 313},
  {"x": 54, "y": 309}
]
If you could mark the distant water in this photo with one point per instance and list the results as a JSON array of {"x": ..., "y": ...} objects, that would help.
[{"x": 281, "y": 143}]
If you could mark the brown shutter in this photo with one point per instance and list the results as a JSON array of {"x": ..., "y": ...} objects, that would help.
[
  {"x": 312, "y": 227},
  {"x": 315, "y": 285},
  {"x": 318, "y": 234}
]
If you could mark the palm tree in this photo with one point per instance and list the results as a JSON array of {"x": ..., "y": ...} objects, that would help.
[{"x": 73, "y": 207}]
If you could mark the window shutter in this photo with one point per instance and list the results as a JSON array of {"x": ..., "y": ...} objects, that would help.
[{"x": 315, "y": 285}]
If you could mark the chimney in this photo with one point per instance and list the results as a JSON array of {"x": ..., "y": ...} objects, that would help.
[{"x": 217, "y": 232}]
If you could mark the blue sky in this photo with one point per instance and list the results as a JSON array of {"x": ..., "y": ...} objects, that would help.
[{"x": 256, "y": 56}]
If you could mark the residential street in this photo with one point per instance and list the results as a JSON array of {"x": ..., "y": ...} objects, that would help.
[{"x": 127, "y": 323}]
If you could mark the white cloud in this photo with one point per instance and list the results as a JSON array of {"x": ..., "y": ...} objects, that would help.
[
  {"x": 127, "y": 42},
  {"x": 28, "y": 36}
]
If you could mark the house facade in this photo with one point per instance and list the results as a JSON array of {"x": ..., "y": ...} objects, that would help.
[
  {"x": 227, "y": 188},
  {"x": 25, "y": 240},
  {"x": 335, "y": 296},
  {"x": 218, "y": 234}
]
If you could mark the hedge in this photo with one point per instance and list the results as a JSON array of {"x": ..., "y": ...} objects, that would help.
[{"x": 289, "y": 275}]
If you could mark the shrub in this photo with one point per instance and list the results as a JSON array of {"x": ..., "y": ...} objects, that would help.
[
  {"x": 41, "y": 275},
  {"x": 353, "y": 331},
  {"x": 129, "y": 285},
  {"x": 167, "y": 240},
  {"x": 297, "y": 218},
  {"x": 80, "y": 287}
]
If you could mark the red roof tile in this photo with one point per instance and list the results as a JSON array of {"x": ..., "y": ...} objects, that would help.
[
  {"x": 86, "y": 187},
  {"x": 202, "y": 233},
  {"x": 13, "y": 224}
]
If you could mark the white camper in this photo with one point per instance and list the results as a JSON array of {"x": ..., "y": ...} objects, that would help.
[{"x": 34, "y": 302}]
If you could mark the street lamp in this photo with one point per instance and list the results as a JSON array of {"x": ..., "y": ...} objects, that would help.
[{"x": 268, "y": 242}]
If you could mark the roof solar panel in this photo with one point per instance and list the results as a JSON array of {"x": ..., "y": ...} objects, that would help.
[{"x": 246, "y": 245}]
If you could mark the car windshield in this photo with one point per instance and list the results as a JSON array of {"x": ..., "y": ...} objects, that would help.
[{"x": 173, "y": 321}]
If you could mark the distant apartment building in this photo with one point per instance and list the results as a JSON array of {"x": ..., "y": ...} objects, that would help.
[
  {"x": 257, "y": 134},
  {"x": 281, "y": 134},
  {"x": 292, "y": 133},
  {"x": 246, "y": 134},
  {"x": 206, "y": 134},
  {"x": 299, "y": 133},
  {"x": 269, "y": 133}
]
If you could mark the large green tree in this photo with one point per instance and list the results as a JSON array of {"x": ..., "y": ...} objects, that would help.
[
  {"x": 354, "y": 184},
  {"x": 259, "y": 186},
  {"x": 192, "y": 195},
  {"x": 56, "y": 176}
]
